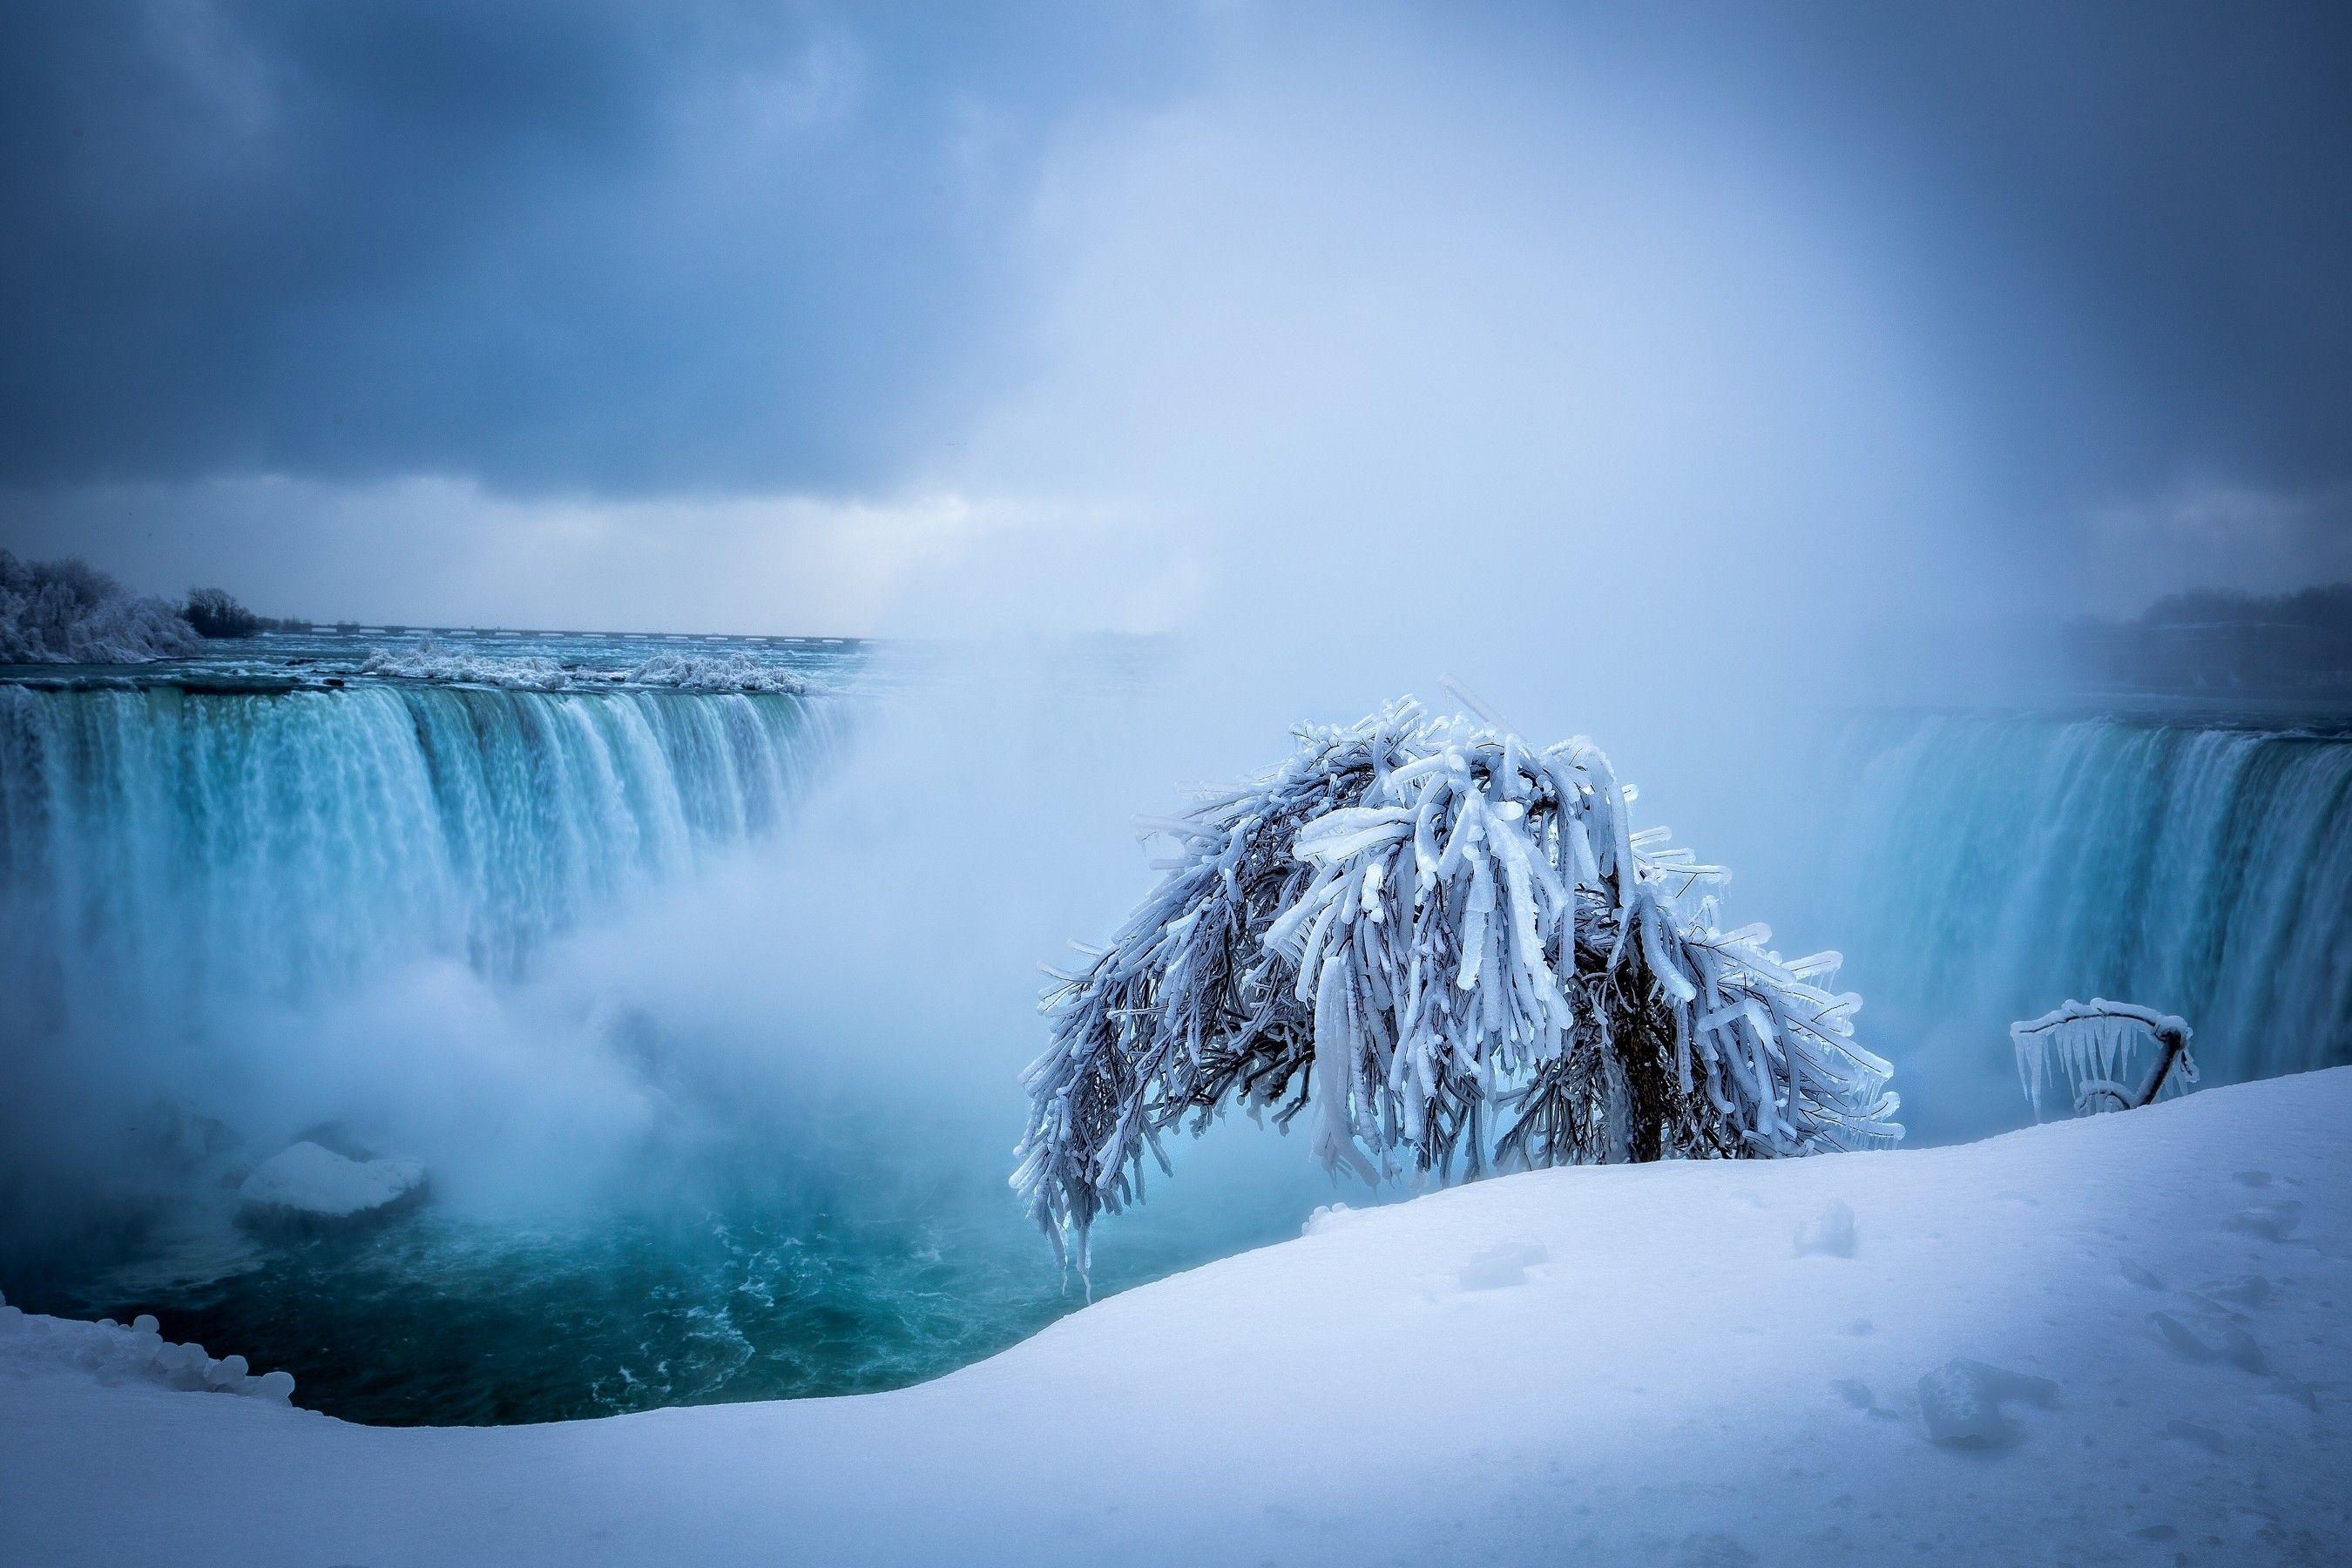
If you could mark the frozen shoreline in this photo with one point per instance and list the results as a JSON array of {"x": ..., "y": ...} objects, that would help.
[{"x": 1612, "y": 1364}]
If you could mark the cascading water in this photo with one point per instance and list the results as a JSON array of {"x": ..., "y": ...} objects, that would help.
[
  {"x": 2002, "y": 864},
  {"x": 207, "y": 845}
]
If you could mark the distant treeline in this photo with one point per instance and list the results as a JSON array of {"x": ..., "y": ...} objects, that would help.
[
  {"x": 215, "y": 614},
  {"x": 69, "y": 612},
  {"x": 2214, "y": 638}
]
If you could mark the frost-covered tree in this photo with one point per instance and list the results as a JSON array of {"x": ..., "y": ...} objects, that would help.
[
  {"x": 68, "y": 612},
  {"x": 2092, "y": 1045},
  {"x": 1443, "y": 947}
]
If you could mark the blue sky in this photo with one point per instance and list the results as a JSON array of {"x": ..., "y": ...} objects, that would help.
[{"x": 897, "y": 317}]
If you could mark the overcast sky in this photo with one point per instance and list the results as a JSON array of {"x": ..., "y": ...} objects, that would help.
[{"x": 897, "y": 317}]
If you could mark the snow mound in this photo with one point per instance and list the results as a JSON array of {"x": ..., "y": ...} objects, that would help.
[
  {"x": 1960, "y": 1403},
  {"x": 1605, "y": 1364},
  {"x": 309, "y": 1184},
  {"x": 428, "y": 661}
]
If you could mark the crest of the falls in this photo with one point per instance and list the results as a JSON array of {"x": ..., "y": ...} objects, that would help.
[
  {"x": 267, "y": 844},
  {"x": 2004, "y": 863}
]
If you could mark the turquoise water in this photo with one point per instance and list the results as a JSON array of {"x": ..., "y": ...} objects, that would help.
[{"x": 842, "y": 1281}]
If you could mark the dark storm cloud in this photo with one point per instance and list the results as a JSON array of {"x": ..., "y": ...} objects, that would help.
[
  {"x": 614, "y": 246},
  {"x": 649, "y": 249}
]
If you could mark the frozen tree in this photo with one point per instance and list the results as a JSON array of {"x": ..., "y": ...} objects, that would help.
[
  {"x": 68, "y": 612},
  {"x": 2093, "y": 1044},
  {"x": 1445, "y": 948}
]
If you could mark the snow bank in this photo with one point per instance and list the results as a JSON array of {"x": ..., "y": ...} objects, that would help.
[
  {"x": 428, "y": 661},
  {"x": 2114, "y": 1340},
  {"x": 311, "y": 1184}
]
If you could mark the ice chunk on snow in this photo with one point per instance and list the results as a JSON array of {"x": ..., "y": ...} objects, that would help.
[
  {"x": 1326, "y": 1219},
  {"x": 314, "y": 1185},
  {"x": 1960, "y": 1403},
  {"x": 1832, "y": 1234},
  {"x": 1498, "y": 1267}
]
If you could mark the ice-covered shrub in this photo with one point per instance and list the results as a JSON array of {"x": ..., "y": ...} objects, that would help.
[
  {"x": 68, "y": 612},
  {"x": 214, "y": 613},
  {"x": 1441, "y": 944},
  {"x": 2093, "y": 1044}
]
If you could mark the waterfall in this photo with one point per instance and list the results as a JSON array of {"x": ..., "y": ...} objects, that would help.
[
  {"x": 224, "y": 845},
  {"x": 2001, "y": 865}
]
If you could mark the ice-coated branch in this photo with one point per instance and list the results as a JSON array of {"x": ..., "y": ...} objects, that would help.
[
  {"x": 1438, "y": 944},
  {"x": 2093, "y": 1043}
]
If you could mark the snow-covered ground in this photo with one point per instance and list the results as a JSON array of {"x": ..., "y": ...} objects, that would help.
[{"x": 1699, "y": 1363}]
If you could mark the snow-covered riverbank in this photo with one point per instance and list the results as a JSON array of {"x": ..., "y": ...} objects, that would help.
[{"x": 1612, "y": 1364}]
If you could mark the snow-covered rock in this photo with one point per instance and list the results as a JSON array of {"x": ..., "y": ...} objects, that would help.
[
  {"x": 1609, "y": 1365},
  {"x": 310, "y": 1184}
]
